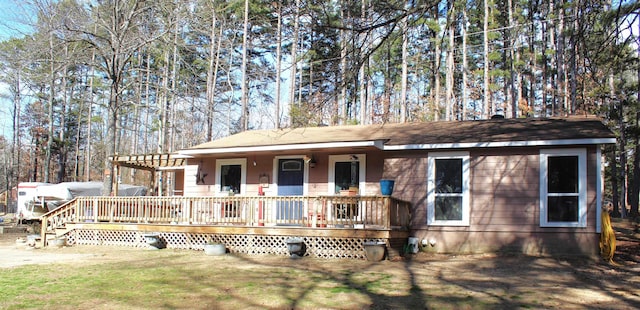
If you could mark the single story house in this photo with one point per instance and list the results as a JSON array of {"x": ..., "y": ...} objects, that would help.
[{"x": 530, "y": 185}]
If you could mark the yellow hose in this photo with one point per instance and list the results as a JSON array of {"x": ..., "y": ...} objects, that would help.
[{"x": 607, "y": 238}]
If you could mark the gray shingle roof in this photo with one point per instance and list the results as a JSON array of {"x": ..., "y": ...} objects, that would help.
[{"x": 429, "y": 133}]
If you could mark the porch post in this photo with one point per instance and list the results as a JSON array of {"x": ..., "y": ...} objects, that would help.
[
  {"x": 386, "y": 211},
  {"x": 43, "y": 230},
  {"x": 153, "y": 182},
  {"x": 116, "y": 178},
  {"x": 314, "y": 216},
  {"x": 95, "y": 211}
]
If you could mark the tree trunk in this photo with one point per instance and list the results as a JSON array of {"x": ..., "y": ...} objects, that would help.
[
  {"x": 488, "y": 109},
  {"x": 110, "y": 145},
  {"x": 278, "y": 65},
  {"x": 344, "y": 44},
  {"x": 554, "y": 76},
  {"x": 364, "y": 65},
  {"x": 175, "y": 65},
  {"x": 545, "y": 69},
  {"x": 450, "y": 62},
  {"x": 147, "y": 92},
  {"x": 14, "y": 168},
  {"x": 211, "y": 84},
  {"x": 294, "y": 63},
  {"x": 465, "y": 66},
  {"x": 512, "y": 69},
  {"x": 577, "y": 24},
  {"x": 244, "y": 117},
  {"x": 50, "y": 116},
  {"x": 561, "y": 76},
  {"x": 615, "y": 196},
  {"x": 405, "y": 73},
  {"x": 623, "y": 164},
  {"x": 436, "y": 73},
  {"x": 635, "y": 183},
  {"x": 635, "y": 193},
  {"x": 388, "y": 90},
  {"x": 87, "y": 157},
  {"x": 66, "y": 98},
  {"x": 533, "y": 69}
]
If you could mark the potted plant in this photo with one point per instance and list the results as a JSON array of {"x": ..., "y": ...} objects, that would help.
[
  {"x": 153, "y": 241},
  {"x": 375, "y": 251},
  {"x": 214, "y": 248},
  {"x": 386, "y": 186},
  {"x": 296, "y": 247}
]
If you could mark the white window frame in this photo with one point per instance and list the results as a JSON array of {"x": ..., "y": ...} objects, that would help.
[
  {"x": 431, "y": 189},
  {"x": 243, "y": 172},
  {"x": 333, "y": 159},
  {"x": 581, "y": 153}
]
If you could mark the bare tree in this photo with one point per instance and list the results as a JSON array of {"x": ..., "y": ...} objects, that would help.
[{"x": 120, "y": 30}]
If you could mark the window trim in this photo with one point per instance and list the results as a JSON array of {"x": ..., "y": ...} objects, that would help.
[
  {"x": 431, "y": 188},
  {"x": 243, "y": 172},
  {"x": 581, "y": 153},
  {"x": 333, "y": 159}
]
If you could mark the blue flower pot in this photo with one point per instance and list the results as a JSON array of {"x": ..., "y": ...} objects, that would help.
[{"x": 386, "y": 187}]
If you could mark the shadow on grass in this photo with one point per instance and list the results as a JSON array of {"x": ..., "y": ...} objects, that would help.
[
  {"x": 187, "y": 279},
  {"x": 420, "y": 282}
]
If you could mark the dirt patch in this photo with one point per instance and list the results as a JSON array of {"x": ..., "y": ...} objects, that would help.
[{"x": 422, "y": 280}]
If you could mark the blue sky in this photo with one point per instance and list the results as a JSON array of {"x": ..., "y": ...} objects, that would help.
[{"x": 12, "y": 19}]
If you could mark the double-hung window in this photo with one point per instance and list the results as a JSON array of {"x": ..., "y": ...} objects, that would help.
[
  {"x": 448, "y": 189},
  {"x": 563, "y": 188}
]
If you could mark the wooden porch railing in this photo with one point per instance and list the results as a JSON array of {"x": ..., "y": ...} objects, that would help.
[{"x": 375, "y": 212}]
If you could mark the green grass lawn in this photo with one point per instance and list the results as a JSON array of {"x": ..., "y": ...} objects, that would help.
[
  {"x": 175, "y": 280},
  {"x": 123, "y": 278}
]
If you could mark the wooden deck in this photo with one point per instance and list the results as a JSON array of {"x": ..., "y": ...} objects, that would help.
[{"x": 331, "y": 226}]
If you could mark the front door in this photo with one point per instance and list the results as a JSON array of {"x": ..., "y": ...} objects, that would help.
[{"x": 290, "y": 183}]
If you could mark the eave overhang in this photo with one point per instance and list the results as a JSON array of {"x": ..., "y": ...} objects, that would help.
[
  {"x": 470, "y": 145},
  {"x": 379, "y": 144}
]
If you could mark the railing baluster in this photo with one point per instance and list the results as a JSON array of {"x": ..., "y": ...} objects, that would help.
[{"x": 306, "y": 211}]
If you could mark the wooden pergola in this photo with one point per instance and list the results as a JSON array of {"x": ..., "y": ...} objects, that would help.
[{"x": 147, "y": 162}]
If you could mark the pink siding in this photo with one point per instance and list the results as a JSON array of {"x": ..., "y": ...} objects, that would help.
[
  {"x": 504, "y": 203},
  {"x": 504, "y": 190},
  {"x": 410, "y": 172},
  {"x": 505, "y": 210}
]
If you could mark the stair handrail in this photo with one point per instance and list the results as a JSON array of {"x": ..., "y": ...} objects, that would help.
[{"x": 58, "y": 218}]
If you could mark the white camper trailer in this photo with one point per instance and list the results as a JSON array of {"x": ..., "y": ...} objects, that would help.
[{"x": 26, "y": 194}]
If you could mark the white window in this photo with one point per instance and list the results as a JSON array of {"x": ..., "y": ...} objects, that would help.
[
  {"x": 563, "y": 188},
  {"x": 345, "y": 172},
  {"x": 231, "y": 175},
  {"x": 448, "y": 189}
]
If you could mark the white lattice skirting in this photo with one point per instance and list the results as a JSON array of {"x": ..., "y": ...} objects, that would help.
[{"x": 320, "y": 247}]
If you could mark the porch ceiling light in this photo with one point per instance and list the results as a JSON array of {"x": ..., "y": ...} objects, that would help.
[{"x": 310, "y": 160}]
